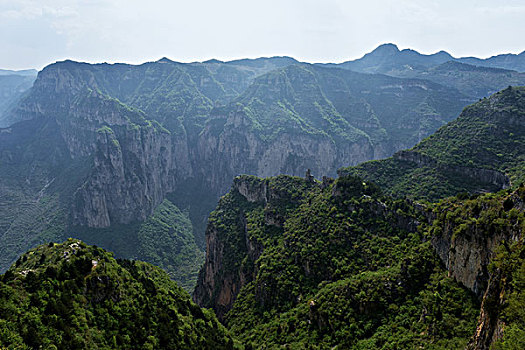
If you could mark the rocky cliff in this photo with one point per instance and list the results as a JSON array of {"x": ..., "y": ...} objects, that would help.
[
  {"x": 479, "y": 175},
  {"x": 131, "y": 157},
  {"x": 238, "y": 148},
  {"x": 231, "y": 248},
  {"x": 469, "y": 236}
]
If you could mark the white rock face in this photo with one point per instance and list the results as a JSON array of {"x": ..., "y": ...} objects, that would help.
[{"x": 237, "y": 149}]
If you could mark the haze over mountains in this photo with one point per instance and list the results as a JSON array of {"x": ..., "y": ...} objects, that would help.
[
  {"x": 13, "y": 84},
  {"x": 133, "y": 158}
]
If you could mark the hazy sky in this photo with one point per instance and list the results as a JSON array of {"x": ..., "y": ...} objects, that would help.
[{"x": 34, "y": 33}]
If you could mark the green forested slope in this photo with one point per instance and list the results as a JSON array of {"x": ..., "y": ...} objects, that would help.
[
  {"x": 484, "y": 149},
  {"x": 297, "y": 263},
  {"x": 339, "y": 266},
  {"x": 75, "y": 296}
]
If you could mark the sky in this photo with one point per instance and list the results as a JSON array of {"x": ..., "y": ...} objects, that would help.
[{"x": 35, "y": 33}]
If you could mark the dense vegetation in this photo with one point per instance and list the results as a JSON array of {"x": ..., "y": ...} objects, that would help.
[
  {"x": 75, "y": 296},
  {"x": 294, "y": 262},
  {"x": 488, "y": 135},
  {"x": 347, "y": 268}
]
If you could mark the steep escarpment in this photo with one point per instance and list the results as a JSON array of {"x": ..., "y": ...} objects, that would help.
[
  {"x": 466, "y": 233},
  {"x": 130, "y": 157},
  {"x": 483, "y": 150},
  {"x": 231, "y": 249},
  {"x": 480, "y": 241},
  {"x": 337, "y": 265},
  {"x": 131, "y": 173},
  {"x": 85, "y": 161},
  {"x": 72, "y": 295}
]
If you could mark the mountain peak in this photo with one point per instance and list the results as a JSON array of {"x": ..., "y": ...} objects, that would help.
[
  {"x": 385, "y": 49},
  {"x": 213, "y": 60},
  {"x": 164, "y": 60}
]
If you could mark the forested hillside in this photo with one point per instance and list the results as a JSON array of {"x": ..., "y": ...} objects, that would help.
[
  {"x": 74, "y": 296},
  {"x": 483, "y": 150}
]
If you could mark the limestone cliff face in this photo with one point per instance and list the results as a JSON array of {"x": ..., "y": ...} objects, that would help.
[
  {"x": 466, "y": 257},
  {"x": 490, "y": 326},
  {"x": 216, "y": 288},
  {"x": 221, "y": 279},
  {"x": 129, "y": 178},
  {"x": 237, "y": 148},
  {"x": 131, "y": 159},
  {"x": 466, "y": 251},
  {"x": 467, "y": 248}
]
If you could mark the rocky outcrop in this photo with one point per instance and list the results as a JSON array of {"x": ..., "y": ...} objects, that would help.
[
  {"x": 490, "y": 326},
  {"x": 467, "y": 248},
  {"x": 129, "y": 178},
  {"x": 466, "y": 257},
  {"x": 217, "y": 286},
  {"x": 231, "y": 250},
  {"x": 221, "y": 279}
]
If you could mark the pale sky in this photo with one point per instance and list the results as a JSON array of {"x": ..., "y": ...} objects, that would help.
[{"x": 35, "y": 33}]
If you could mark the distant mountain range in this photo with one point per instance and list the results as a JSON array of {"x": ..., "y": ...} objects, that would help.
[
  {"x": 110, "y": 153},
  {"x": 24, "y": 72},
  {"x": 387, "y": 59}
]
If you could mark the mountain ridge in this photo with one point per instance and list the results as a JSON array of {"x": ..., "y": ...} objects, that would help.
[
  {"x": 488, "y": 133},
  {"x": 387, "y": 56}
]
